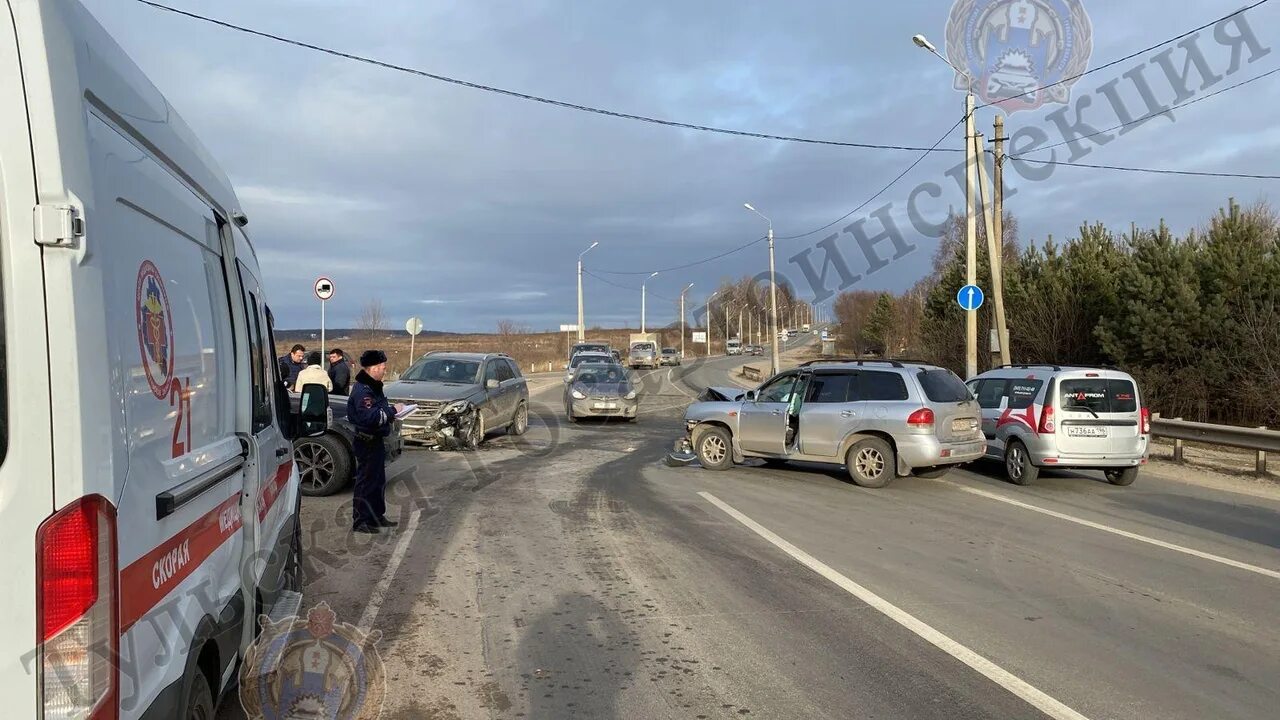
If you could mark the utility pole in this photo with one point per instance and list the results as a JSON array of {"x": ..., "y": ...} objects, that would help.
[
  {"x": 741, "y": 310},
  {"x": 970, "y": 234},
  {"x": 708, "y": 316},
  {"x": 997, "y": 261},
  {"x": 643, "y": 298},
  {"x": 581, "y": 329},
  {"x": 682, "y": 292}
]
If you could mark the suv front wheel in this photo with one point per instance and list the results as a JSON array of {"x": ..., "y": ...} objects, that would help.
[
  {"x": 715, "y": 449},
  {"x": 871, "y": 463}
]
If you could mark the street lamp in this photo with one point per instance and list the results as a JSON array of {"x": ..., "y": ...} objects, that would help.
[
  {"x": 773, "y": 291},
  {"x": 708, "y": 306},
  {"x": 971, "y": 220},
  {"x": 643, "y": 298},
  {"x": 581, "y": 329},
  {"x": 682, "y": 292}
]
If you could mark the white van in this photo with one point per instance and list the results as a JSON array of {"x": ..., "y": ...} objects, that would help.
[{"x": 148, "y": 499}]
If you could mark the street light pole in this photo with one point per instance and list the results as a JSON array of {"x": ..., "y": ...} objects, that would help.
[
  {"x": 773, "y": 293},
  {"x": 708, "y": 304},
  {"x": 581, "y": 329},
  {"x": 682, "y": 292},
  {"x": 643, "y": 298},
  {"x": 971, "y": 220}
]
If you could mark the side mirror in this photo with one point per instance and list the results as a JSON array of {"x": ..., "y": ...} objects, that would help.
[
  {"x": 750, "y": 396},
  {"x": 313, "y": 411},
  {"x": 491, "y": 384}
]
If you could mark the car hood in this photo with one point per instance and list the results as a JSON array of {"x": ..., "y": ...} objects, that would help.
[
  {"x": 603, "y": 389},
  {"x": 423, "y": 390},
  {"x": 725, "y": 411},
  {"x": 722, "y": 393}
]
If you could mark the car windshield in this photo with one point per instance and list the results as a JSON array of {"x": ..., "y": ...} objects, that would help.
[
  {"x": 580, "y": 358},
  {"x": 642, "y": 347},
  {"x": 450, "y": 370},
  {"x": 668, "y": 351},
  {"x": 601, "y": 374},
  {"x": 590, "y": 348},
  {"x": 941, "y": 385}
]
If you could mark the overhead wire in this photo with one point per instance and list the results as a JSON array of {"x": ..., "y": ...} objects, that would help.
[{"x": 521, "y": 95}]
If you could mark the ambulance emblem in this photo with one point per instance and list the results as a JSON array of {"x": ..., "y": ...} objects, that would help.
[
  {"x": 313, "y": 668},
  {"x": 155, "y": 329},
  {"x": 1022, "y": 54}
]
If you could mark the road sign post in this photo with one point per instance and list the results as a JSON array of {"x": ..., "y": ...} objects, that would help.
[
  {"x": 568, "y": 330},
  {"x": 324, "y": 290},
  {"x": 413, "y": 326}
]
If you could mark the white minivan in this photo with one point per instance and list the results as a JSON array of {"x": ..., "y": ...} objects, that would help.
[{"x": 148, "y": 499}]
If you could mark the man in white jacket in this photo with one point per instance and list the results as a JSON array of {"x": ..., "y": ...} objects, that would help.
[{"x": 313, "y": 373}]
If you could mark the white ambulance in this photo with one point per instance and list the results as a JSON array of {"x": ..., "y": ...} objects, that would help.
[{"x": 148, "y": 499}]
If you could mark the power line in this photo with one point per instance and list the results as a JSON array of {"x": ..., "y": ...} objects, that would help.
[
  {"x": 884, "y": 189},
  {"x": 1153, "y": 171},
  {"x": 521, "y": 95},
  {"x": 757, "y": 241},
  {"x": 1130, "y": 56},
  {"x": 1145, "y": 118}
]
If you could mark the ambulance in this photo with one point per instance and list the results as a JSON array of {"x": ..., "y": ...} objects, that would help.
[{"x": 148, "y": 498}]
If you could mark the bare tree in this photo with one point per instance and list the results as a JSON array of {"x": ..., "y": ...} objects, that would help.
[
  {"x": 373, "y": 318},
  {"x": 507, "y": 328}
]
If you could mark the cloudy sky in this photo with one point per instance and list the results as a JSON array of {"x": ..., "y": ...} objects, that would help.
[{"x": 466, "y": 207}]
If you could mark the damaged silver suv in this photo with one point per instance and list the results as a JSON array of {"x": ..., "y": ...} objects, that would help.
[{"x": 461, "y": 397}]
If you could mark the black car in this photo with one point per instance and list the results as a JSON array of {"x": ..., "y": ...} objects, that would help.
[{"x": 326, "y": 463}]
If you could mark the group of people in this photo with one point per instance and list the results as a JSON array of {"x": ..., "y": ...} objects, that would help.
[
  {"x": 300, "y": 368},
  {"x": 368, "y": 410}
]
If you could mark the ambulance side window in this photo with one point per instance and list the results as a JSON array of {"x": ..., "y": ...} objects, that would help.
[
  {"x": 283, "y": 410},
  {"x": 259, "y": 362}
]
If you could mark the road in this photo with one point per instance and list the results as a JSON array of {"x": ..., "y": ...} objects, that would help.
[{"x": 570, "y": 573}]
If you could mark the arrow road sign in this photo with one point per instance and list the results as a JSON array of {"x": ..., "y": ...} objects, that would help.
[
  {"x": 970, "y": 297},
  {"x": 324, "y": 288}
]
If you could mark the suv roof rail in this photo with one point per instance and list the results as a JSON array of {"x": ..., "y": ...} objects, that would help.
[
  {"x": 859, "y": 361},
  {"x": 1055, "y": 368}
]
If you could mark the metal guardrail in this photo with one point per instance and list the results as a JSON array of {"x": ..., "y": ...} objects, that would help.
[{"x": 1260, "y": 440}]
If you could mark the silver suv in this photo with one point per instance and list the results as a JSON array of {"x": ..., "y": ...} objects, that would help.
[
  {"x": 879, "y": 419},
  {"x": 462, "y": 396},
  {"x": 1038, "y": 416}
]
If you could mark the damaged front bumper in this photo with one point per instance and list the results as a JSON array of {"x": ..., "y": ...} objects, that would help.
[{"x": 681, "y": 453}]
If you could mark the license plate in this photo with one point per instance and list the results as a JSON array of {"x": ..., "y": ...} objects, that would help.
[
  {"x": 1098, "y": 432},
  {"x": 606, "y": 406},
  {"x": 962, "y": 425}
]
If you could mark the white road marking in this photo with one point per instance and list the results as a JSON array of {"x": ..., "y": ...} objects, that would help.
[
  {"x": 1115, "y": 531},
  {"x": 1019, "y": 687},
  {"x": 380, "y": 590}
]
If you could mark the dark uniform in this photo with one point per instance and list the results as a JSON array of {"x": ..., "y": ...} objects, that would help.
[{"x": 373, "y": 417}]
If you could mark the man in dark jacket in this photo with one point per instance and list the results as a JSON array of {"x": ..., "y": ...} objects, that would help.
[
  {"x": 292, "y": 364},
  {"x": 339, "y": 372},
  {"x": 373, "y": 417}
]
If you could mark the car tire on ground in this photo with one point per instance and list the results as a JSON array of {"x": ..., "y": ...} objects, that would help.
[
  {"x": 714, "y": 448},
  {"x": 871, "y": 463},
  {"x": 200, "y": 701},
  {"x": 519, "y": 422},
  {"x": 1017, "y": 464},
  {"x": 931, "y": 473},
  {"x": 324, "y": 465},
  {"x": 1122, "y": 476}
]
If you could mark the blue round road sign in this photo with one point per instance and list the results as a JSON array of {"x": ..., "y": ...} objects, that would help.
[{"x": 970, "y": 297}]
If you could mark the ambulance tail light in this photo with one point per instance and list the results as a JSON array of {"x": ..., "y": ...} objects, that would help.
[
  {"x": 77, "y": 604},
  {"x": 1146, "y": 421}
]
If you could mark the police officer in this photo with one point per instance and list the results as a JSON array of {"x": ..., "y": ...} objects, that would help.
[{"x": 373, "y": 417}]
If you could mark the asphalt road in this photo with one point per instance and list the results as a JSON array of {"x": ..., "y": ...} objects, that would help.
[{"x": 570, "y": 573}]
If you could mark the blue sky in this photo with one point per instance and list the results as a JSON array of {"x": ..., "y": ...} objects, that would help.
[{"x": 465, "y": 208}]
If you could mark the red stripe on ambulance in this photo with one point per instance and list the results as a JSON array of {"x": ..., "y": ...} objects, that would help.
[
  {"x": 271, "y": 491},
  {"x": 147, "y": 580}
]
